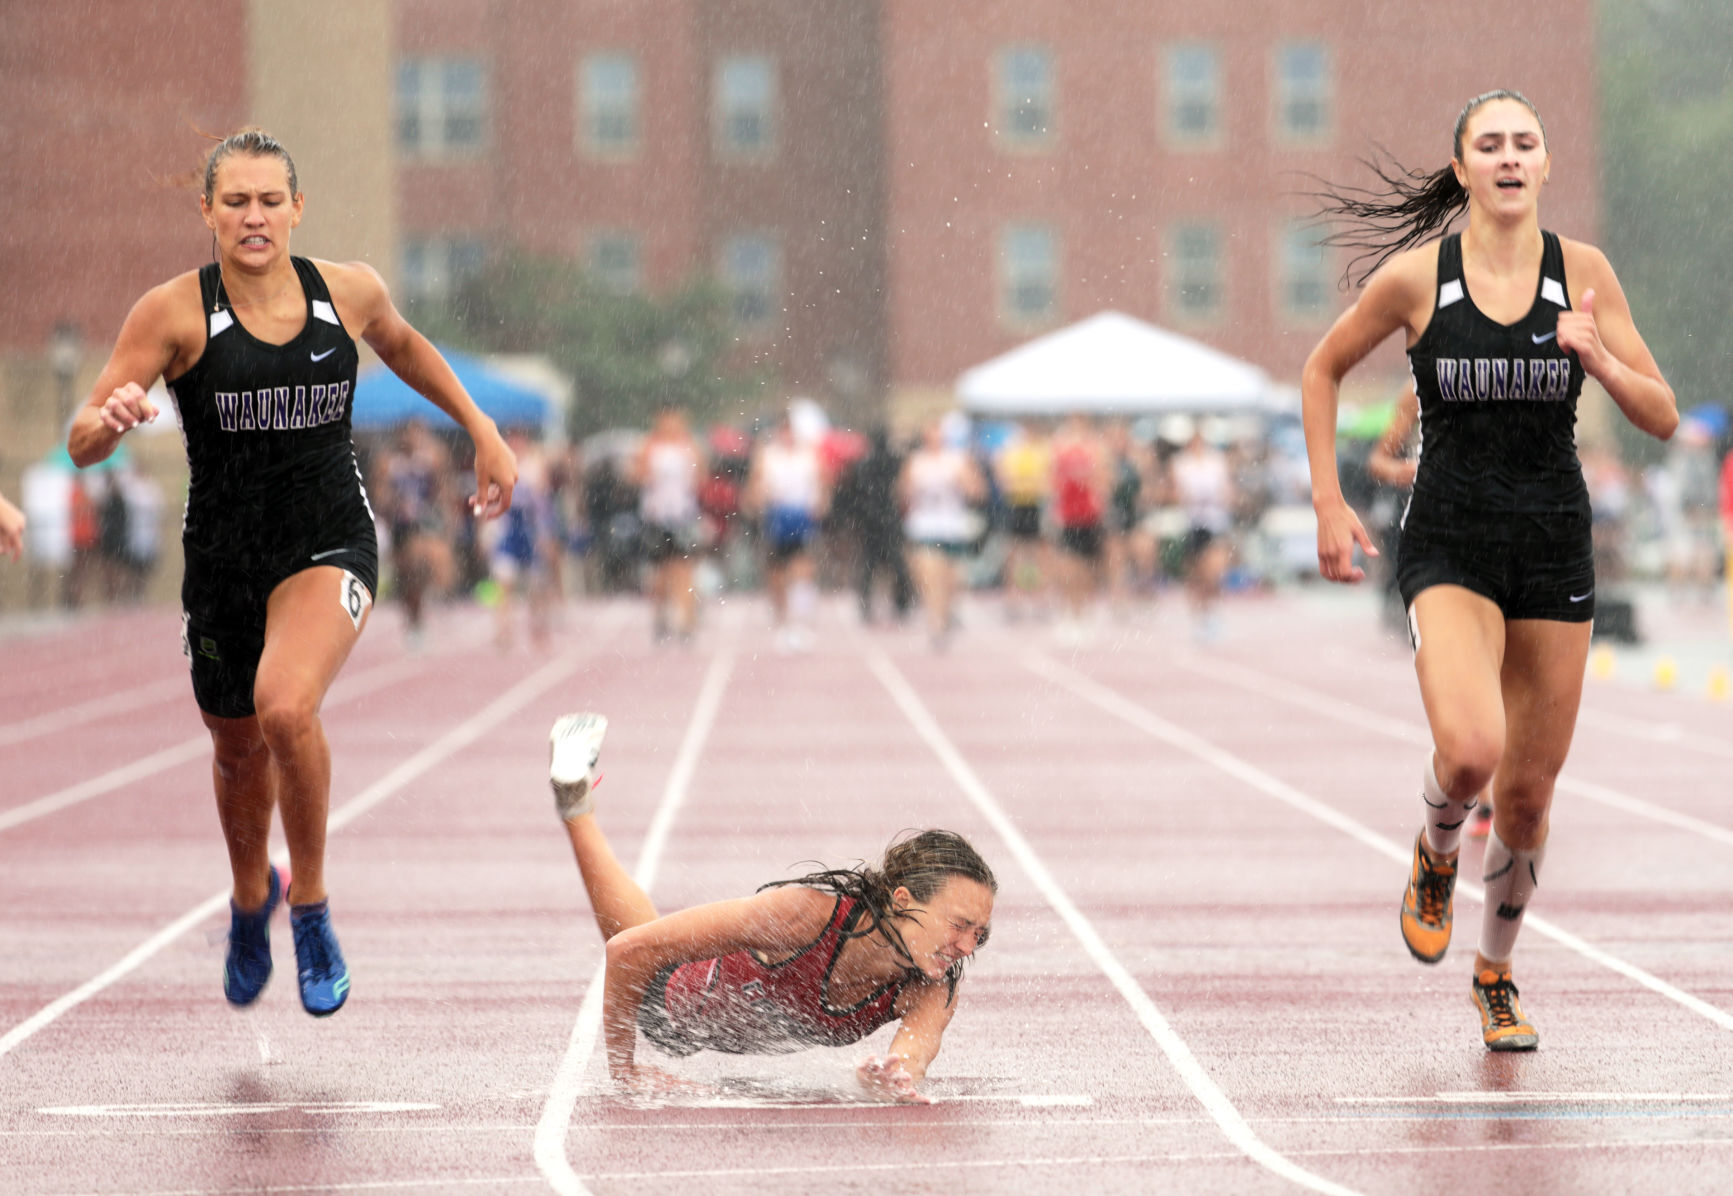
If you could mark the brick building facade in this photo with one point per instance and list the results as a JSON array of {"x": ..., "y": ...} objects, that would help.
[
  {"x": 892, "y": 189},
  {"x": 1048, "y": 159},
  {"x": 654, "y": 141}
]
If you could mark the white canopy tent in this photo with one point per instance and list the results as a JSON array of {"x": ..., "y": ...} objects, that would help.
[{"x": 1114, "y": 364}]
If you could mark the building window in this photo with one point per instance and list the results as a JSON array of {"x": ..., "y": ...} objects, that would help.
[
  {"x": 608, "y": 105},
  {"x": 1028, "y": 274},
  {"x": 745, "y": 107},
  {"x": 751, "y": 270},
  {"x": 441, "y": 107},
  {"x": 1194, "y": 95},
  {"x": 1303, "y": 93},
  {"x": 1303, "y": 281},
  {"x": 434, "y": 267},
  {"x": 615, "y": 261},
  {"x": 1024, "y": 96},
  {"x": 1194, "y": 273}
]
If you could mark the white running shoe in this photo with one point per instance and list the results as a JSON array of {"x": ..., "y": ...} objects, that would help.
[{"x": 574, "y": 746}]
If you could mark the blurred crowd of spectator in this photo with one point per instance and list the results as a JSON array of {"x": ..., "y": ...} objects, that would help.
[
  {"x": 1070, "y": 517},
  {"x": 91, "y": 536}
]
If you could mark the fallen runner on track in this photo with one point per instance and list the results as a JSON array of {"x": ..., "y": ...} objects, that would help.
[{"x": 821, "y": 960}]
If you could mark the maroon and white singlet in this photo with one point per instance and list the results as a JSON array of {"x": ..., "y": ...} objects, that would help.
[{"x": 744, "y": 1006}]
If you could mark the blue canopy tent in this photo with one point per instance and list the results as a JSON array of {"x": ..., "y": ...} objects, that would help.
[{"x": 382, "y": 399}]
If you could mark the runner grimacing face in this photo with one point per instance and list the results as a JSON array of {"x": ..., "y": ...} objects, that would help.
[
  {"x": 251, "y": 211},
  {"x": 948, "y": 927}
]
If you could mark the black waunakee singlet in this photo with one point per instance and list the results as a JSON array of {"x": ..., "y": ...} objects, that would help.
[
  {"x": 267, "y": 432},
  {"x": 1497, "y": 404}
]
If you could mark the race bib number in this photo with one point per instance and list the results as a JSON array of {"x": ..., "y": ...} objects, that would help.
[{"x": 355, "y": 598}]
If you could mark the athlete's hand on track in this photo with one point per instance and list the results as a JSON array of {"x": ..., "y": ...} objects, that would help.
[
  {"x": 888, "y": 1079},
  {"x": 1577, "y": 333},
  {"x": 1339, "y": 529},
  {"x": 654, "y": 1082},
  {"x": 126, "y": 409},
  {"x": 495, "y": 476}
]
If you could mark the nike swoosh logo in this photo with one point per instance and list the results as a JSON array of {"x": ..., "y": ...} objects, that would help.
[
  {"x": 1534, "y": 336},
  {"x": 324, "y": 355},
  {"x": 1582, "y": 597},
  {"x": 319, "y": 556}
]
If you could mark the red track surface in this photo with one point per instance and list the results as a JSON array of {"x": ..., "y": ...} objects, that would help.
[{"x": 1195, "y": 982}]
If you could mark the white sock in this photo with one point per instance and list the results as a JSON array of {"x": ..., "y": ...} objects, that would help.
[
  {"x": 1444, "y": 814},
  {"x": 1510, "y": 877}
]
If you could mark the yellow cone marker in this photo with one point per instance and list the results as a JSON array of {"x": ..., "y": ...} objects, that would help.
[
  {"x": 1720, "y": 684},
  {"x": 1603, "y": 664},
  {"x": 1666, "y": 673}
]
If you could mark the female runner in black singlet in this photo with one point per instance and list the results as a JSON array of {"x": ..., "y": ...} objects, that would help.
[
  {"x": 1502, "y": 322},
  {"x": 258, "y": 349}
]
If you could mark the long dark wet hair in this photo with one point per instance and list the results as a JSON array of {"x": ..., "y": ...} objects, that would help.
[
  {"x": 922, "y": 863},
  {"x": 1410, "y": 205}
]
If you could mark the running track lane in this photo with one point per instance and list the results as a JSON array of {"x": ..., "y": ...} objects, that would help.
[{"x": 1177, "y": 865}]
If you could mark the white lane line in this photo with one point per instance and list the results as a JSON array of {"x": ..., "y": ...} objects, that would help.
[
  {"x": 1671, "y": 734},
  {"x": 1319, "y": 702},
  {"x": 346, "y": 690},
  {"x": 1175, "y": 736},
  {"x": 433, "y": 1183},
  {"x": 1532, "y": 1098},
  {"x": 426, "y": 1183},
  {"x": 201, "y": 1109},
  {"x": 550, "y": 1137},
  {"x": 1176, "y": 1156},
  {"x": 465, "y": 733},
  {"x": 127, "y": 774},
  {"x": 89, "y": 711},
  {"x": 1226, "y": 1116},
  {"x": 1200, "y": 1156},
  {"x": 1645, "y": 1183},
  {"x": 1055, "y": 1100}
]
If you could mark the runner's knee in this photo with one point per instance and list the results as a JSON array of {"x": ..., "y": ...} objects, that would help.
[
  {"x": 1467, "y": 757},
  {"x": 1522, "y": 800},
  {"x": 285, "y": 716},
  {"x": 235, "y": 751}
]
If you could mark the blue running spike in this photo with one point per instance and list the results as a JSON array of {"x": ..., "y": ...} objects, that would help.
[
  {"x": 323, "y": 974},
  {"x": 248, "y": 966}
]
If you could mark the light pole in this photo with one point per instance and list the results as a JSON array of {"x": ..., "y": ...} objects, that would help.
[{"x": 65, "y": 348}]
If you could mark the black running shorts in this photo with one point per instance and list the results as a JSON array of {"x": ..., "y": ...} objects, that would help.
[
  {"x": 1082, "y": 540},
  {"x": 1023, "y": 521},
  {"x": 1532, "y": 567},
  {"x": 664, "y": 542},
  {"x": 223, "y": 604}
]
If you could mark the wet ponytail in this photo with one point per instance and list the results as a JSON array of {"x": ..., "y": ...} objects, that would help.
[
  {"x": 922, "y": 863},
  {"x": 1409, "y": 207},
  {"x": 1403, "y": 213}
]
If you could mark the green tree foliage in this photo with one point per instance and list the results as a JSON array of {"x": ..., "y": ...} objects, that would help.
[
  {"x": 627, "y": 353},
  {"x": 1667, "y": 138}
]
